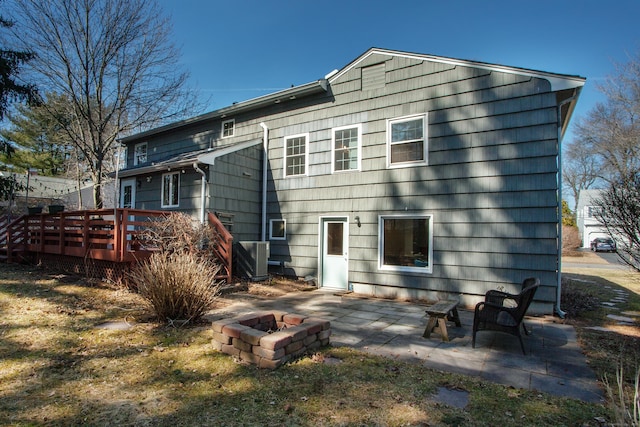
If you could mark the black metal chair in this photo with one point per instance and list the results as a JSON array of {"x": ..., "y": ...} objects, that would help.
[{"x": 504, "y": 312}]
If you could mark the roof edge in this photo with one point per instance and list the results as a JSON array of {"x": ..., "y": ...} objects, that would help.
[
  {"x": 289, "y": 94},
  {"x": 558, "y": 81}
]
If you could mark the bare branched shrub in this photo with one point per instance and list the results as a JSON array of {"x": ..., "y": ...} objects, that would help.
[
  {"x": 178, "y": 232},
  {"x": 570, "y": 239},
  {"x": 625, "y": 403},
  {"x": 178, "y": 281}
]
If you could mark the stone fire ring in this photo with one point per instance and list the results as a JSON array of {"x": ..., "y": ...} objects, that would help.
[{"x": 270, "y": 339}]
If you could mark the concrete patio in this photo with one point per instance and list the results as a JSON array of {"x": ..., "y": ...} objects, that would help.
[{"x": 554, "y": 362}]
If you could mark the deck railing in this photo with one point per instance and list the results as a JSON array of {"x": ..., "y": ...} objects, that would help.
[{"x": 105, "y": 234}]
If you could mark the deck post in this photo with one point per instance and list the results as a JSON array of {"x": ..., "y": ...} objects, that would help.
[
  {"x": 85, "y": 233},
  {"x": 41, "y": 233},
  {"x": 61, "y": 234}
]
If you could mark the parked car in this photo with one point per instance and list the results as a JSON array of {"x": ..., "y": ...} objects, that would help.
[{"x": 605, "y": 244}]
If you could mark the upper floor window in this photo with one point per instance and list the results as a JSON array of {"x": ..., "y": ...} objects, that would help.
[
  {"x": 407, "y": 141},
  {"x": 346, "y": 148},
  {"x": 228, "y": 127},
  {"x": 405, "y": 242},
  {"x": 170, "y": 189},
  {"x": 277, "y": 229},
  {"x": 295, "y": 154},
  {"x": 140, "y": 154}
]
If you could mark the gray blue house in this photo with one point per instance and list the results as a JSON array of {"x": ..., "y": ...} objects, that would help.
[{"x": 399, "y": 175}]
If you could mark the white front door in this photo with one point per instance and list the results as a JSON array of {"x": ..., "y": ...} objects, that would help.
[
  {"x": 334, "y": 262},
  {"x": 128, "y": 193}
]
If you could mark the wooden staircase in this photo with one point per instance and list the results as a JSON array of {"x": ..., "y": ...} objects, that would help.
[{"x": 11, "y": 238}]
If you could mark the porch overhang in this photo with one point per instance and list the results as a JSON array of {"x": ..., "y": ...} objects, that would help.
[{"x": 187, "y": 160}]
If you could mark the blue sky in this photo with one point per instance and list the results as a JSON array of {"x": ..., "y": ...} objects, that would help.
[{"x": 241, "y": 49}]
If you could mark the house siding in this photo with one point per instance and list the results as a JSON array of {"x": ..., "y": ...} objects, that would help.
[
  {"x": 235, "y": 189},
  {"x": 491, "y": 182}
]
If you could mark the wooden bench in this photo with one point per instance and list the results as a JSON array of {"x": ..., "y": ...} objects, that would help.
[{"x": 437, "y": 314}]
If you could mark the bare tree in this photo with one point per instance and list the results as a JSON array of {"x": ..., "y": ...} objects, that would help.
[
  {"x": 618, "y": 209},
  {"x": 114, "y": 61},
  {"x": 580, "y": 169},
  {"x": 609, "y": 137}
]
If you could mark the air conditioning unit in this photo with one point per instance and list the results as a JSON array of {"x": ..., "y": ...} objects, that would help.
[{"x": 252, "y": 260}]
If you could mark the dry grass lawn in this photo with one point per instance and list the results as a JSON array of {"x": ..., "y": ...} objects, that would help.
[{"x": 60, "y": 366}]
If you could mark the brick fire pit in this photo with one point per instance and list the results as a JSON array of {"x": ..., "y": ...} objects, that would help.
[{"x": 269, "y": 339}]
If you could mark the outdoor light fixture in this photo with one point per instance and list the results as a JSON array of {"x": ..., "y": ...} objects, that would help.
[
  {"x": 149, "y": 178},
  {"x": 358, "y": 221}
]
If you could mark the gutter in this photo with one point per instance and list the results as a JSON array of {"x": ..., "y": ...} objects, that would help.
[
  {"x": 265, "y": 144},
  {"x": 296, "y": 92},
  {"x": 203, "y": 191}
]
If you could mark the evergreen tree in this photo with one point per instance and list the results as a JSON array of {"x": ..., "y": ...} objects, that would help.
[
  {"x": 36, "y": 139},
  {"x": 10, "y": 62}
]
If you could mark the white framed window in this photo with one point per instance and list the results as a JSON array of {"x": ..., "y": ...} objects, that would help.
[
  {"x": 277, "y": 229},
  {"x": 407, "y": 142},
  {"x": 140, "y": 154},
  {"x": 346, "y": 146},
  {"x": 405, "y": 242},
  {"x": 170, "y": 189},
  {"x": 296, "y": 154},
  {"x": 228, "y": 128}
]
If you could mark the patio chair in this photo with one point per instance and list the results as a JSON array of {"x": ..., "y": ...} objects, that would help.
[{"x": 504, "y": 312}]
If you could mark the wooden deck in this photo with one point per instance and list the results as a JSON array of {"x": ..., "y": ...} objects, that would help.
[{"x": 109, "y": 235}]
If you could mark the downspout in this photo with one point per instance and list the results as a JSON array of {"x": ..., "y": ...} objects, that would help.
[
  {"x": 203, "y": 191},
  {"x": 265, "y": 144},
  {"x": 558, "y": 310}
]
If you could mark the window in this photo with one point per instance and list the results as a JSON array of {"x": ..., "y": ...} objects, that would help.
[
  {"x": 405, "y": 243},
  {"x": 407, "y": 141},
  {"x": 295, "y": 155},
  {"x": 228, "y": 127},
  {"x": 140, "y": 154},
  {"x": 170, "y": 187},
  {"x": 277, "y": 229},
  {"x": 346, "y": 148}
]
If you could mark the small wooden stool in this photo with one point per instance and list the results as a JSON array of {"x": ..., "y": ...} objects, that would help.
[{"x": 437, "y": 313}]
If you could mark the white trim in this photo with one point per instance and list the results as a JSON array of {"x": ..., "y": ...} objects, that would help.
[
  {"x": 170, "y": 190},
  {"x": 135, "y": 153},
  {"x": 420, "y": 215},
  {"x": 425, "y": 144},
  {"x": 210, "y": 158},
  {"x": 233, "y": 128},
  {"x": 358, "y": 127},
  {"x": 271, "y": 236},
  {"x": 558, "y": 81},
  {"x": 306, "y": 154}
]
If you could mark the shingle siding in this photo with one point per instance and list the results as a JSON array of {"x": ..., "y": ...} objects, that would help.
[{"x": 490, "y": 182}]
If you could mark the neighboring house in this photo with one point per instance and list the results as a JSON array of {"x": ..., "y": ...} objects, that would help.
[
  {"x": 400, "y": 175},
  {"x": 43, "y": 191},
  {"x": 588, "y": 226}
]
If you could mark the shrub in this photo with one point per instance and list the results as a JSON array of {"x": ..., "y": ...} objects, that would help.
[
  {"x": 178, "y": 285},
  {"x": 570, "y": 239},
  {"x": 575, "y": 300},
  {"x": 178, "y": 281}
]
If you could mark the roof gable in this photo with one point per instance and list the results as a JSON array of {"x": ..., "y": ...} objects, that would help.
[{"x": 375, "y": 55}]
